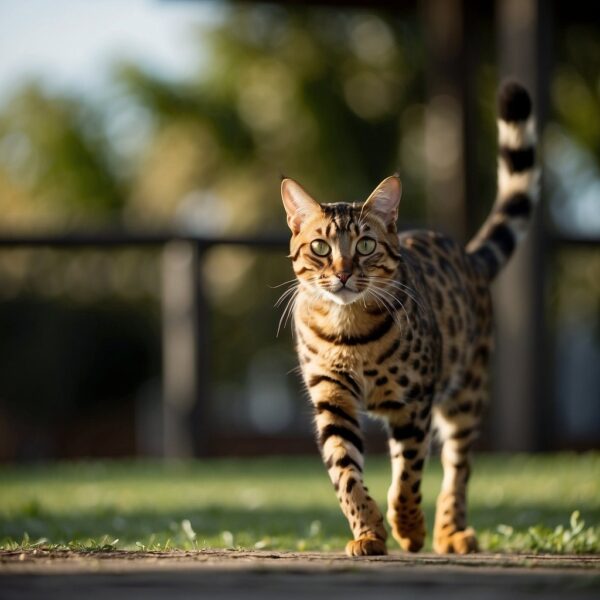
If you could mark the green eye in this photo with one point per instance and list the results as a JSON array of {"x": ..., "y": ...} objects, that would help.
[
  {"x": 320, "y": 247},
  {"x": 366, "y": 246}
]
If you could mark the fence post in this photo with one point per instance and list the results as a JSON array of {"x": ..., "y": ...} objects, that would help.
[
  {"x": 518, "y": 412},
  {"x": 185, "y": 337}
]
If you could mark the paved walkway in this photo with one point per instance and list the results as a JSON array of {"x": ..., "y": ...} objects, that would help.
[{"x": 264, "y": 575}]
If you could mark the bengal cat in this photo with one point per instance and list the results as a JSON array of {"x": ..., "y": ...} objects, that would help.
[{"x": 400, "y": 326}]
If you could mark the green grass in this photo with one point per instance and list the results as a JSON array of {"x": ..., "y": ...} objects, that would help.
[{"x": 517, "y": 503}]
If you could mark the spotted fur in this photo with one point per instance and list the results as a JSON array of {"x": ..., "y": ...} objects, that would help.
[{"x": 400, "y": 326}]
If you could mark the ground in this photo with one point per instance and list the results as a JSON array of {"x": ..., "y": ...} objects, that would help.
[
  {"x": 259, "y": 574},
  {"x": 269, "y": 527}
]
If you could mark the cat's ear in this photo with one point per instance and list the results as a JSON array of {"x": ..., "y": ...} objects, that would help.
[
  {"x": 299, "y": 205},
  {"x": 385, "y": 199}
]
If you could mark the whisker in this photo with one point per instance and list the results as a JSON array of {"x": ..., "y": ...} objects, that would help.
[
  {"x": 393, "y": 282},
  {"x": 377, "y": 294},
  {"x": 274, "y": 287},
  {"x": 392, "y": 300},
  {"x": 399, "y": 286},
  {"x": 285, "y": 294},
  {"x": 290, "y": 312},
  {"x": 297, "y": 370},
  {"x": 289, "y": 307},
  {"x": 406, "y": 289},
  {"x": 369, "y": 291},
  {"x": 389, "y": 308}
]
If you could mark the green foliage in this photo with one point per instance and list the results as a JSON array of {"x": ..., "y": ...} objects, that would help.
[
  {"x": 275, "y": 91},
  {"x": 517, "y": 504},
  {"x": 575, "y": 538},
  {"x": 575, "y": 87},
  {"x": 55, "y": 148}
]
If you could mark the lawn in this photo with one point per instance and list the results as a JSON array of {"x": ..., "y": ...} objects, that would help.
[{"x": 517, "y": 503}]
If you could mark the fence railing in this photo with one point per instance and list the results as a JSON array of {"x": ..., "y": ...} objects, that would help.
[
  {"x": 186, "y": 374},
  {"x": 185, "y": 315}
]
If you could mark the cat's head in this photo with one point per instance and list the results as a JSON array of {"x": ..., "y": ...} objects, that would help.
[{"x": 344, "y": 252}]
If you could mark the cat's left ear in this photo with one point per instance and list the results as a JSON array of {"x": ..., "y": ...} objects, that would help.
[
  {"x": 298, "y": 203},
  {"x": 385, "y": 199}
]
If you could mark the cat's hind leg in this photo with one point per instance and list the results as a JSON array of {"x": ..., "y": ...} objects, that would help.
[
  {"x": 341, "y": 445},
  {"x": 457, "y": 422}
]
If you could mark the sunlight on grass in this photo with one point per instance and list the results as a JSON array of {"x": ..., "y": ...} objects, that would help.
[{"x": 518, "y": 503}]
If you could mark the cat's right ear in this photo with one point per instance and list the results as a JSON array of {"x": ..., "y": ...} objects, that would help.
[{"x": 299, "y": 205}]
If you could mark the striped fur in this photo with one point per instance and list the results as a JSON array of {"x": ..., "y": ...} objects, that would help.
[
  {"x": 399, "y": 326},
  {"x": 518, "y": 182}
]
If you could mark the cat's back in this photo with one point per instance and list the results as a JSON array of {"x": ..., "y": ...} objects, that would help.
[
  {"x": 444, "y": 264},
  {"x": 457, "y": 293}
]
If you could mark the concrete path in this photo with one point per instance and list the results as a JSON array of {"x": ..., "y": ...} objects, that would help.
[{"x": 265, "y": 575}]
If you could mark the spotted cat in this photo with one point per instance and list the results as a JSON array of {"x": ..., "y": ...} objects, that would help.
[{"x": 400, "y": 326}]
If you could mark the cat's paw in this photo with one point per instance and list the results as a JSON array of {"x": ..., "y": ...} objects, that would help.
[
  {"x": 366, "y": 546},
  {"x": 459, "y": 542},
  {"x": 410, "y": 534}
]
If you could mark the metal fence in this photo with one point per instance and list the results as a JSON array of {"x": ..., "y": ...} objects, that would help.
[
  {"x": 186, "y": 343},
  {"x": 186, "y": 377}
]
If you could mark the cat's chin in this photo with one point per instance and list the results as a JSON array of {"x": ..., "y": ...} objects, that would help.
[{"x": 343, "y": 297}]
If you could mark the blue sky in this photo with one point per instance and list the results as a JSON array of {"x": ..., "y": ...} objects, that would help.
[{"x": 70, "y": 44}]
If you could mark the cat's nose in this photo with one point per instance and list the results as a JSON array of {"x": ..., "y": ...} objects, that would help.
[{"x": 343, "y": 276}]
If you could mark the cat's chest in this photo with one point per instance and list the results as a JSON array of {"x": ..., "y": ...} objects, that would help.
[
  {"x": 343, "y": 338},
  {"x": 351, "y": 359},
  {"x": 348, "y": 350}
]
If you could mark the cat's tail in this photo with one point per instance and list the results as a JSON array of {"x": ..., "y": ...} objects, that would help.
[{"x": 518, "y": 176}]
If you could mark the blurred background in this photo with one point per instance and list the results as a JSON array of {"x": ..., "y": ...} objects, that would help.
[{"x": 138, "y": 138}]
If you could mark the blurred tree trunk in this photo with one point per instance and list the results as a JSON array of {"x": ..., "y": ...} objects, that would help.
[{"x": 451, "y": 40}]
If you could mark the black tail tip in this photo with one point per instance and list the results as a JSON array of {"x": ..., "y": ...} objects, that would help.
[{"x": 514, "y": 103}]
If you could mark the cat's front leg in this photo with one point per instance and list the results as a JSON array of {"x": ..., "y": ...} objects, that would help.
[
  {"x": 341, "y": 446},
  {"x": 409, "y": 444}
]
